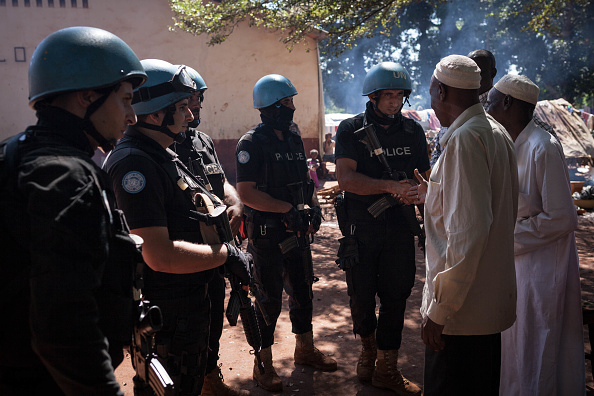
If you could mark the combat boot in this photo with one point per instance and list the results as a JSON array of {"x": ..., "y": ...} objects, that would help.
[
  {"x": 306, "y": 353},
  {"x": 366, "y": 363},
  {"x": 269, "y": 380},
  {"x": 214, "y": 385},
  {"x": 387, "y": 375}
]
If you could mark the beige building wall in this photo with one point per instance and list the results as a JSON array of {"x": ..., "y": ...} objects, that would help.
[{"x": 230, "y": 69}]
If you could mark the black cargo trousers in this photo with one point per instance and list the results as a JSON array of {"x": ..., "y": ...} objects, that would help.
[
  {"x": 387, "y": 269},
  {"x": 276, "y": 271}
]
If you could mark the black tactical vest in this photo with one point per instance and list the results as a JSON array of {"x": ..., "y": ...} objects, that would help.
[{"x": 284, "y": 162}]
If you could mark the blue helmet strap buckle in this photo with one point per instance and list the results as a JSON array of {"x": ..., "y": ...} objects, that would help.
[{"x": 181, "y": 82}]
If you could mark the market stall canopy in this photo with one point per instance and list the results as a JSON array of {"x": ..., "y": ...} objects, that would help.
[
  {"x": 425, "y": 117},
  {"x": 569, "y": 126}
]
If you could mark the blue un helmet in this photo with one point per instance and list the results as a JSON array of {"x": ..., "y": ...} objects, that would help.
[
  {"x": 387, "y": 75},
  {"x": 200, "y": 84},
  {"x": 200, "y": 87},
  {"x": 166, "y": 85},
  {"x": 82, "y": 58},
  {"x": 272, "y": 88}
]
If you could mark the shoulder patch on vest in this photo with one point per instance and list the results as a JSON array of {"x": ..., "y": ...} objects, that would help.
[
  {"x": 243, "y": 157},
  {"x": 133, "y": 182}
]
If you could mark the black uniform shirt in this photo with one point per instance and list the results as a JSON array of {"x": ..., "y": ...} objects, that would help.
[
  {"x": 270, "y": 162},
  {"x": 404, "y": 145},
  {"x": 197, "y": 152},
  {"x": 144, "y": 180},
  {"x": 55, "y": 242}
]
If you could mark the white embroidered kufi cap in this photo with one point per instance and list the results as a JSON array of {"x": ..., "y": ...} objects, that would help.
[
  {"x": 458, "y": 71},
  {"x": 519, "y": 87}
]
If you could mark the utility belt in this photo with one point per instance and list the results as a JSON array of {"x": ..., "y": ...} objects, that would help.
[{"x": 264, "y": 226}]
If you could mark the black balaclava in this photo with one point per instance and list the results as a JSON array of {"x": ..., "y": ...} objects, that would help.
[{"x": 277, "y": 116}]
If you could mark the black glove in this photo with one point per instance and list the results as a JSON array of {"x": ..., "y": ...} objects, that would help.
[
  {"x": 294, "y": 220},
  {"x": 348, "y": 253},
  {"x": 238, "y": 263},
  {"x": 315, "y": 217}
]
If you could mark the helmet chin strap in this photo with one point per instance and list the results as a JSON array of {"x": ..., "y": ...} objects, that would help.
[
  {"x": 163, "y": 128},
  {"x": 388, "y": 117},
  {"x": 89, "y": 127}
]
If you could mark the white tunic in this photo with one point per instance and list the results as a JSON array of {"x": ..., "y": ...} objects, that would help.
[
  {"x": 543, "y": 352},
  {"x": 470, "y": 211}
]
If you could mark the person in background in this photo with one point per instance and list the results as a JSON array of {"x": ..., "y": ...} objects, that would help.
[
  {"x": 313, "y": 163},
  {"x": 329, "y": 146},
  {"x": 543, "y": 352},
  {"x": 66, "y": 258}
]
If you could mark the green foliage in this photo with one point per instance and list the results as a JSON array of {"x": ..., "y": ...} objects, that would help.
[
  {"x": 331, "y": 108},
  {"x": 560, "y": 61},
  {"x": 550, "y": 41},
  {"x": 344, "y": 21}
]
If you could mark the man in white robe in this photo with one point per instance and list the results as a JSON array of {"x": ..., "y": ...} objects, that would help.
[{"x": 543, "y": 352}]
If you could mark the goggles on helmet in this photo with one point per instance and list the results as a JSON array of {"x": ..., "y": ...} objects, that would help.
[{"x": 181, "y": 82}]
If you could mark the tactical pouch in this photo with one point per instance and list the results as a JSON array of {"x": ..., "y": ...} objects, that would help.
[
  {"x": 233, "y": 307},
  {"x": 341, "y": 214},
  {"x": 348, "y": 253},
  {"x": 209, "y": 233}
]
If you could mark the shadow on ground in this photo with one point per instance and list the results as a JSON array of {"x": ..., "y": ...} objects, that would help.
[{"x": 333, "y": 330}]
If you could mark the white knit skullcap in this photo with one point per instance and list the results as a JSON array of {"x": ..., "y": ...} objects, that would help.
[
  {"x": 458, "y": 71},
  {"x": 519, "y": 87}
]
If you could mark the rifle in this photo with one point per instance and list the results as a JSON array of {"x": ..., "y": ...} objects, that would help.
[
  {"x": 367, "y": 135},
  {"x": 144, "y": 359},
  {"x": 299, "y": 239},
  {"x": 240, "y": 304},
  {"x": 216, "y": 219}
]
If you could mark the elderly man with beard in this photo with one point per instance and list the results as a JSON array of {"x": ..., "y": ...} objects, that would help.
[
  {"x": 470, "y": 210},
  {"x": 543, "y": 352}
]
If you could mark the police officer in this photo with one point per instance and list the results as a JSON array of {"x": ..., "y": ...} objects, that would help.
[
  {"x": 60, "y": 232},
  {"x": 156, "y": 192},
  {"x": 198, "y": 153},
  {"x": 270, "y": 158},
  {"x": 378, "y": 253}
]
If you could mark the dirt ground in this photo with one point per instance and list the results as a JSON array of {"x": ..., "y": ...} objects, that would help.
[{"x": 333, "y": 329}]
